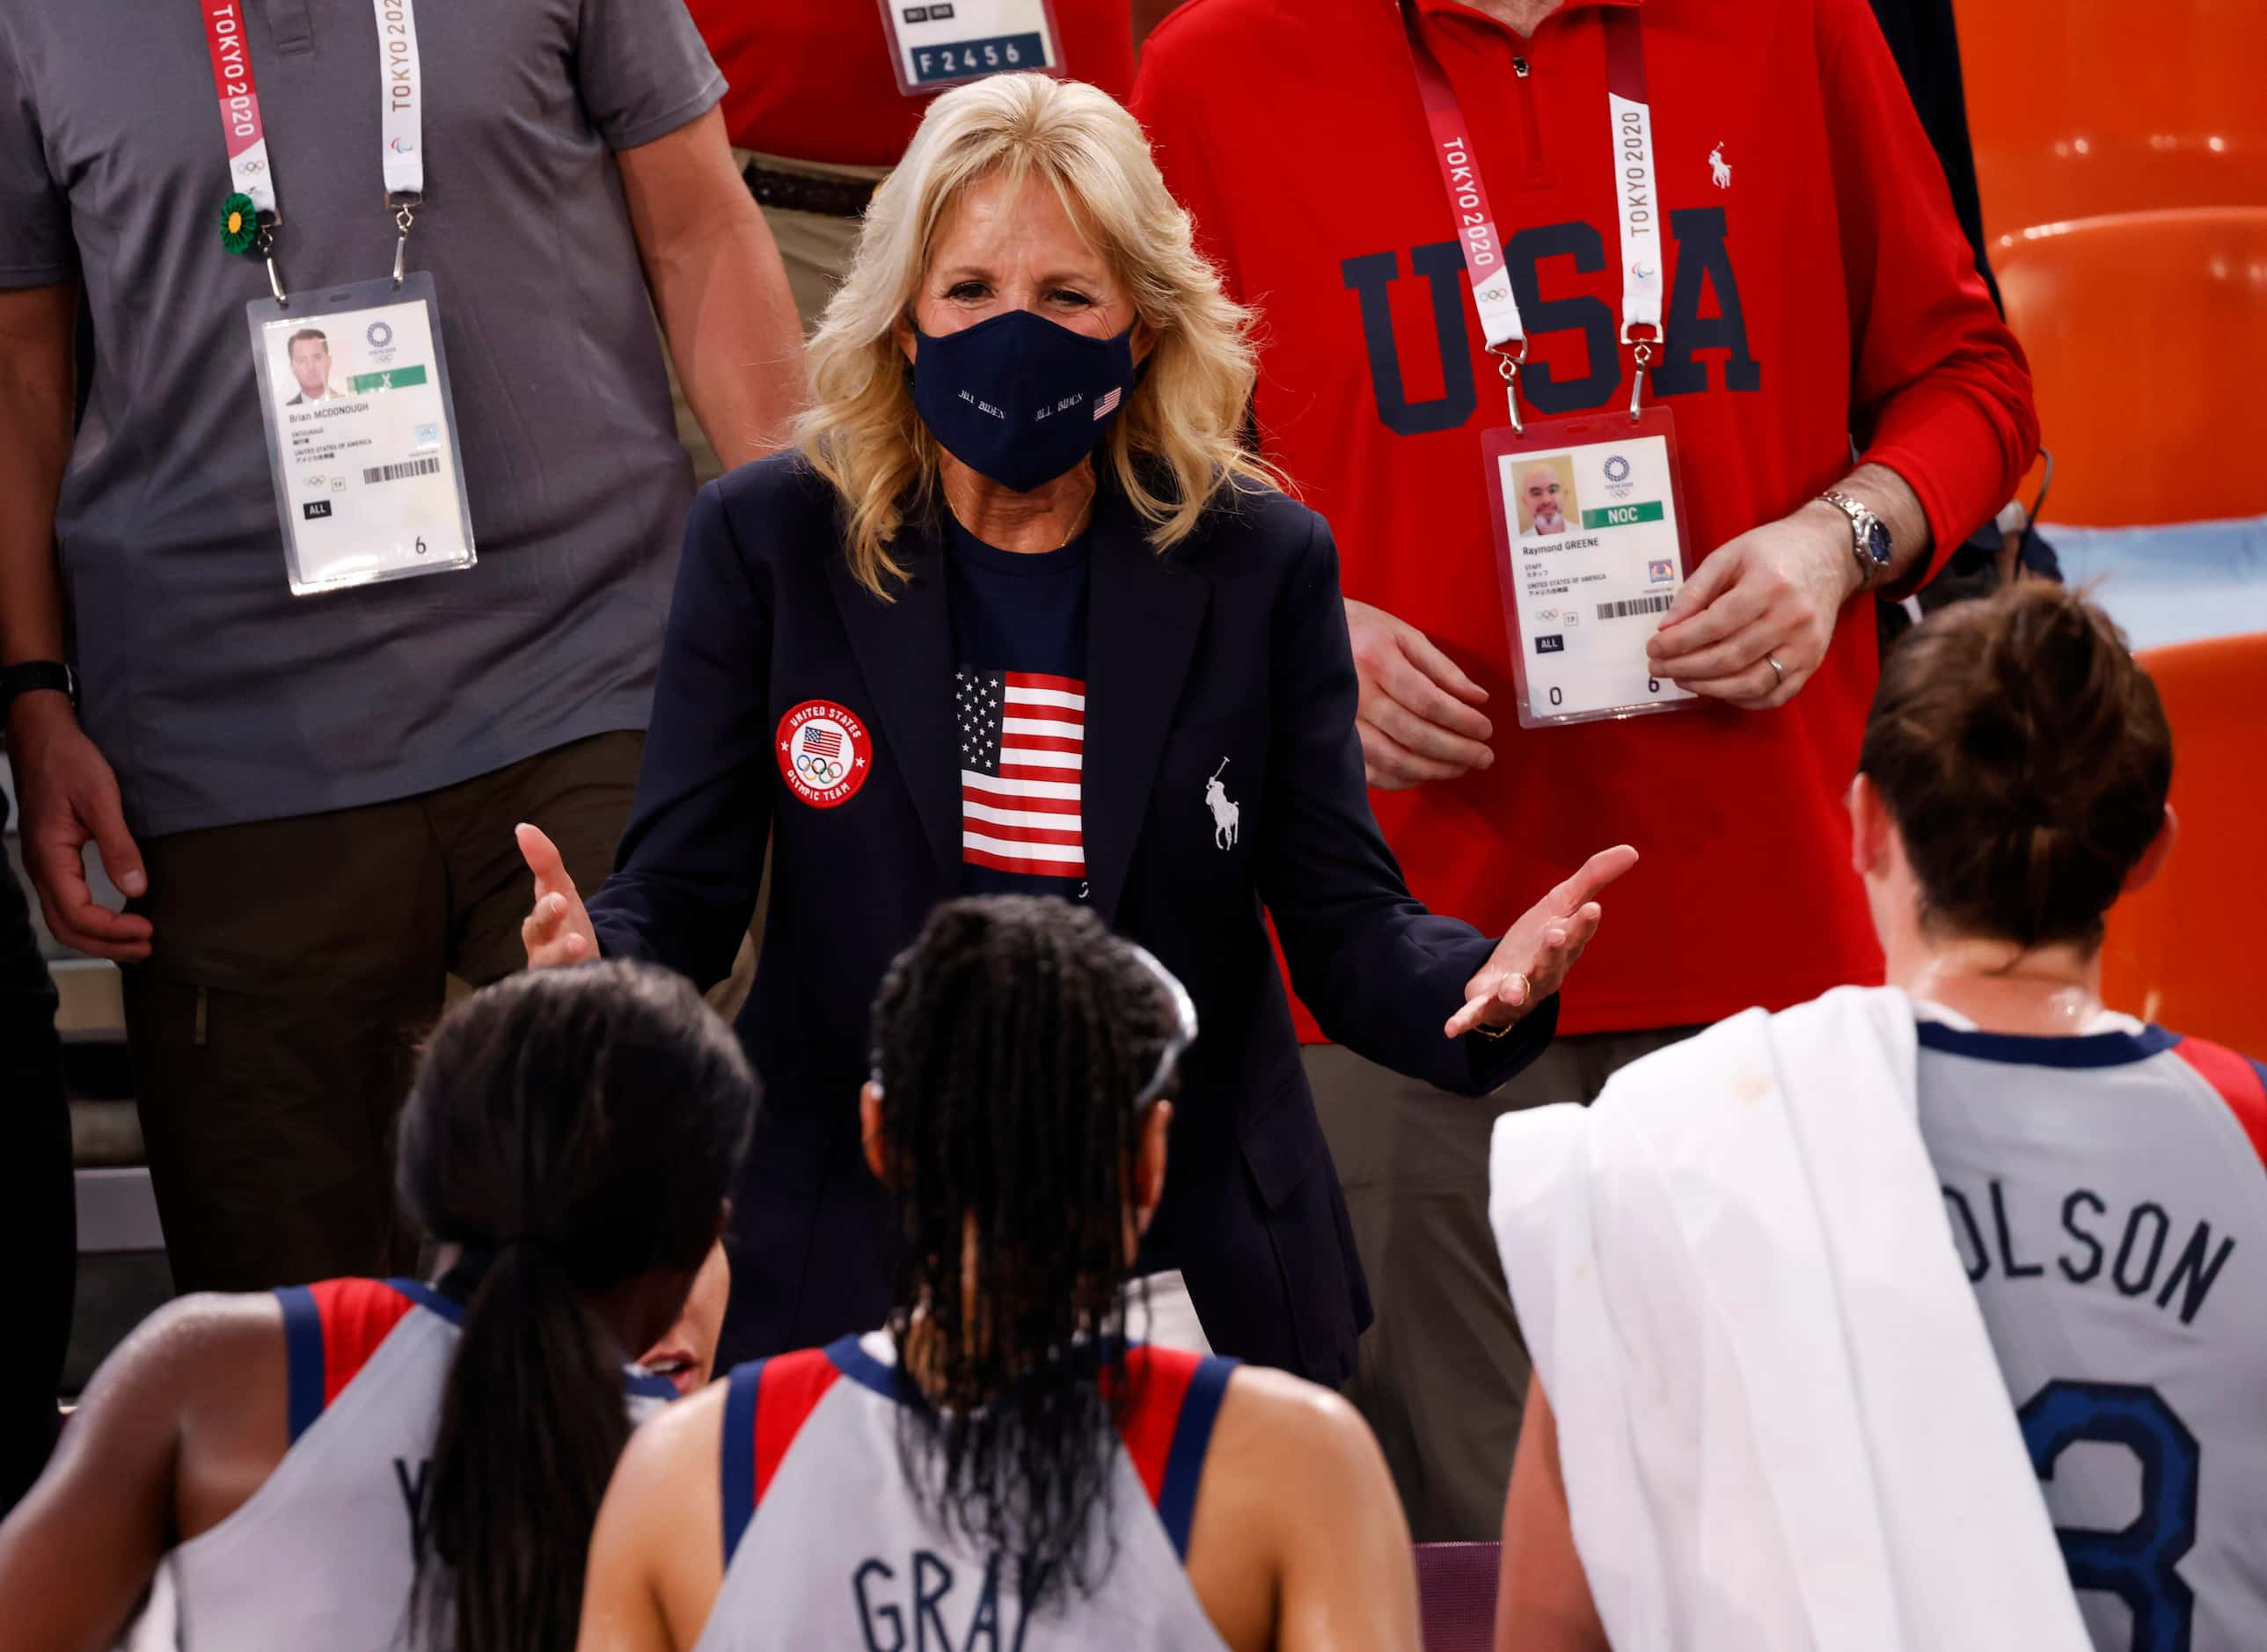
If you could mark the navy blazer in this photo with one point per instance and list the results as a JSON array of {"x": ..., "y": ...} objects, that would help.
[{"x": 1232, "y": 649}]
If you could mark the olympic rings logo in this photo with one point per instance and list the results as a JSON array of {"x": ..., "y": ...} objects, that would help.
[{"x": 825, "y": 754}]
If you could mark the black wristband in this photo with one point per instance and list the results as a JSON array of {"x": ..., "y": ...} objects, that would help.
[{"x": 35, "y": 674}]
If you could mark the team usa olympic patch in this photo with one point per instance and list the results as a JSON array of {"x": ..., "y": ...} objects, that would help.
[{"x": 825, "y": 754}]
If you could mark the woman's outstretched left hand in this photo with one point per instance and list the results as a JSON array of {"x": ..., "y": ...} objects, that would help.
[{"x": 1535, "y": 955}]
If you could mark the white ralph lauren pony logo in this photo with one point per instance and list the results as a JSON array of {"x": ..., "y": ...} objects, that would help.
[
  {"x": 1720, "y": 170},
  {"x": 1227, "y": 815}
]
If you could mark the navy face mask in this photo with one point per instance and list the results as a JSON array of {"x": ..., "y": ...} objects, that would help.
[{"x": 1019, "y": 398}]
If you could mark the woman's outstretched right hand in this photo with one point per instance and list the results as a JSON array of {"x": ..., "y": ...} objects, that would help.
[{"x": 558, "y": 930}]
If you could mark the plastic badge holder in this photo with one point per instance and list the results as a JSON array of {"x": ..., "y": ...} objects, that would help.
[
  {"x": 369, "y": 481},
  {"x": 1598, "y": 590},
  {"x": 953, "y": 41}
]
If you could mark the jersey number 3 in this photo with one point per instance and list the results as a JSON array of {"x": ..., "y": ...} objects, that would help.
[{"x": 2135, "y": 1564}]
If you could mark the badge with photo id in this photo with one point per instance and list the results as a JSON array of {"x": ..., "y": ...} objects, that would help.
[
  {"x": 362, "y": 434},
  {"x": 939, "y": 43},
  {"x": 1589, "y": 533}
]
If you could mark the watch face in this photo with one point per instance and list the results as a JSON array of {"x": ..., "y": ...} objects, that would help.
[{"x": 1877, "y": 542}]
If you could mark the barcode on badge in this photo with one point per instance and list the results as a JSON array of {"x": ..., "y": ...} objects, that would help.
[
  {"x": 1636, "y": 605},
  {"x": 395, "y": 473}
]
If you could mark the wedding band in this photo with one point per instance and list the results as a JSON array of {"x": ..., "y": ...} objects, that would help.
[
  {"x": 1526, "y": 990},
  {"x": 1778, "y": 673}
]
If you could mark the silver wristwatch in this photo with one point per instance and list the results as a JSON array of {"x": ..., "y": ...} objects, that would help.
[{"x": 1869, "y": 536}]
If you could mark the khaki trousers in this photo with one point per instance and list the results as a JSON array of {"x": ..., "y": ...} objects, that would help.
[
  {"x": 296, "y": 964},
  {"x": 1441, "y": 1375}
]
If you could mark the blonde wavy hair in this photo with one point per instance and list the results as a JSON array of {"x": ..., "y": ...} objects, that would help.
[{"x": 1182, "y": 425}]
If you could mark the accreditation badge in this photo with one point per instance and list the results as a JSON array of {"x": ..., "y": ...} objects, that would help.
[
  {"x": 941, "y": 44},
  {"x": 1589, "y": 533},
  {"x": 362, "y": 435}
]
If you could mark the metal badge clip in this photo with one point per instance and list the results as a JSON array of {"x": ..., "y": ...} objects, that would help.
[
  {"x": 269, "y": 223},
  {"x": 1507, "y": 365},
  {"x": 1643, "y": 355},
  {"x": 404, "y": 214}
]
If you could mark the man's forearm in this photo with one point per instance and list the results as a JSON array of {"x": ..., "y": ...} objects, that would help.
[
  {"x": 1888, "y": 496},
  {"x": 36, "y": 389},
  {"x": 733, "y": 333}
]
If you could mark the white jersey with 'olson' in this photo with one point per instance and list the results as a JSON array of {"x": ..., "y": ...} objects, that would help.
[{"x": 2107, "y": 1199}]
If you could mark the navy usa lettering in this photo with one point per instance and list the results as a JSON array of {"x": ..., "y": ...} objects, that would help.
[{"x": 1704, "y": 270}]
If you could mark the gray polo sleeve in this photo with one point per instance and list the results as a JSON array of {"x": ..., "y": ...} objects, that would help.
[
  {"x": 643, "y": 69},
  {"x": 35, "y": 232}
]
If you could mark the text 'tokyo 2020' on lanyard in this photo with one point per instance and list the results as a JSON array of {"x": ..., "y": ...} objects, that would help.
[
  {"x": 1642, "y": 257},
  {"x": 1587, "y": 510},
  {"x": 367, "y": 469},
  {"x": 250, "y": 216}
]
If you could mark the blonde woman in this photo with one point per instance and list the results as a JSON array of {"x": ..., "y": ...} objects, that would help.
[{"x": 1022, "y": 616}]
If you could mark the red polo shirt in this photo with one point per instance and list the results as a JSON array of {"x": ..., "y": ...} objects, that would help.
[
  {"x": 812, "y": 78},
  {"x": 1819, "y": 293}
]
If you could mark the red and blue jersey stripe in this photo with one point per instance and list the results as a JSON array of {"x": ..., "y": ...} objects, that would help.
[
  {"x": 332, "y": 1329},
  {"x": 2241, "y": 1082},
  {"x": 1166, "y": 1428}
]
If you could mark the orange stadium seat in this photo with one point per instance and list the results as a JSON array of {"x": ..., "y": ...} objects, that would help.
[
  {"x": 2146, "y": 331},
  {"x": 2076, "y": 112},
  {"x": 1456, "y": 1595},
  {"x": 2186, "y": 950}
]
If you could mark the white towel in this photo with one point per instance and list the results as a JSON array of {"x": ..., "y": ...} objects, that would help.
[{"x": 1781, "y": 1422}]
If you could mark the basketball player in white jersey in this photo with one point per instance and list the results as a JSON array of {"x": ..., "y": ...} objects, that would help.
[
  {"x": 365, "y": 1464},
  {"x": 999, "y": 1469},
  {"x": 2103, "y": 1179}
]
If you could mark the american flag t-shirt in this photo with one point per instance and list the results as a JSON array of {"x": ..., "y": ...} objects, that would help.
[{"x": 1023, "y": 745}]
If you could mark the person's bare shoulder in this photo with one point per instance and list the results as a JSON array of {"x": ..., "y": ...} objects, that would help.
[
  {"x": 660, "y": 1536},
  {"x": 182, "y": 1422},
  {"x": 1284, "y": 1441},
  {"x": 1263, "y": 1410},
  {"x": 197, "y": 1349},
  {"x": 1294, "y": 1509},
  {"x": 684, "y": 1434}
]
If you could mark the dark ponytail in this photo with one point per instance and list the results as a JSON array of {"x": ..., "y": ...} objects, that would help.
[
  {"x": 2025, "y": 758},
  {"x": 572, "y": 1130},
  {"x": 1013, "y": 1041}
]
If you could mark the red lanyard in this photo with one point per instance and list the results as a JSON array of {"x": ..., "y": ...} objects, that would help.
[
  {"x": 1637, "y": 210},
  {"x": 238, "y": 91}
]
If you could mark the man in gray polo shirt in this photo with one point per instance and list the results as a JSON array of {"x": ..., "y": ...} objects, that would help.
[{"x": 309, "y": 800}]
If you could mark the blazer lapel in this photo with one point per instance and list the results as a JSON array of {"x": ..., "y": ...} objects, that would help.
[
  {"x": 904, "y": 649},
  {"x": 1143, "y": 616}
]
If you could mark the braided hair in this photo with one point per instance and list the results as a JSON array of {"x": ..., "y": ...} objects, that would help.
[{"x": 1016, "y": 1043}]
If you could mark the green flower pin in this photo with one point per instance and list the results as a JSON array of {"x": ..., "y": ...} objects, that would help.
[{"x": 240, "y": 224}]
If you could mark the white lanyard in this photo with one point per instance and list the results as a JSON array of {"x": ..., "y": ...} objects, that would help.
[
  {"x": 402, "y": 126},
  {"x": 401, "y": 130},
  {"x": 1636, "y": 205}
]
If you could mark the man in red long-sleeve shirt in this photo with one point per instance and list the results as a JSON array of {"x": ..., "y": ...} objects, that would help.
[{"x": 1823, "y": 329}]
